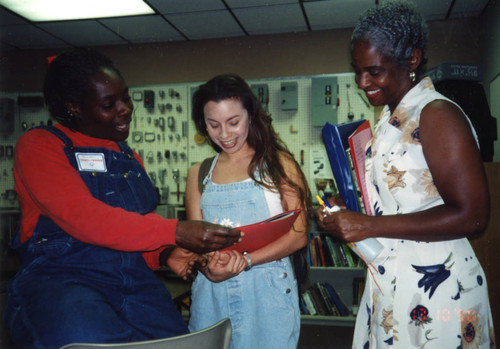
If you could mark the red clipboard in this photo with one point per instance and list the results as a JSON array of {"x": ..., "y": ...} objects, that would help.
[
  {"x": 262, "y": 233},
  {"x": 357, "y": 143}
]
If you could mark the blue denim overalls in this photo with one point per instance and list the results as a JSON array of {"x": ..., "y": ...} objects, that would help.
[
  {"x": 262, "y": 303},
  {"x": 68, "y": 291}
]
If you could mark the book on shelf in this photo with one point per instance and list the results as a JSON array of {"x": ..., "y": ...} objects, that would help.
[
  {"x": 306, "y": 296},
  {"x": 320, "y": 250},
  {"x": 327, "y": 251},
  {"x": 342, "y": 254},
  {"x": 332, "y": 309},
  {"x": 318, "y": 302},
  {"x": 333, "y": 250},
  {"x": 341, "y": 307},
  {"x": 329, "y": 262},
  {"x": 358, "y": 286},
  {"x": 312, "y": 254},
  {"x": 322, "y": 299},
  {"x": 351, "y": 261},
  {"x": 303, "y": 306}
]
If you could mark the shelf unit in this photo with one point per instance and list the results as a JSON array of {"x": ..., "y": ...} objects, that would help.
[{"x": 341, "y": 279}]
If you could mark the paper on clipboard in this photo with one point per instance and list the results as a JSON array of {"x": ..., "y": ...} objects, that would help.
[
  {"x": 262, "y": 233},
  {"x": 357, "y": 143}
]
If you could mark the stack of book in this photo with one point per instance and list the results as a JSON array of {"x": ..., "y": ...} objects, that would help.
[
  {"x": 327, "y": 251},
  {"x": 345, "y": 145},
  {"x": 322, "y": 299}
]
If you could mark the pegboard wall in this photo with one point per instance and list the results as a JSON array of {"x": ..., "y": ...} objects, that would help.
[{"x": 164, "y": 135}]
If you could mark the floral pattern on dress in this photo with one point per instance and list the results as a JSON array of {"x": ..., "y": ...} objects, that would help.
[
  {"x": 471, "y": 330},
  {"x": 395, "y": 178},
  {"x": 434, "y": 275},
  {"x": 420, "y": 316},
  {"x": 411, "y": 133}
]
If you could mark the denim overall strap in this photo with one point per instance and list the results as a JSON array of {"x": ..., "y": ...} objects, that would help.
[
  {"x": 44, "y": 223},
  {"x": 127, "y": 185}
]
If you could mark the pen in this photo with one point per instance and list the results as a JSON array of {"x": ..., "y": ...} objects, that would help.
[
  {"x": 326, "y": 202},
  {"x": 322, "y": 203}
]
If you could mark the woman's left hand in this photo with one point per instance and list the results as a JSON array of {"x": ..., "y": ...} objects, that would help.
[
  {"x": 184, "y": 262},
  {"x": 224, "y": 265}
]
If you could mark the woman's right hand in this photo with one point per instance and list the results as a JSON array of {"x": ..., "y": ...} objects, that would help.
[
  {"x": 224, "y": 265},
  {"x": 347, "y": 225}
]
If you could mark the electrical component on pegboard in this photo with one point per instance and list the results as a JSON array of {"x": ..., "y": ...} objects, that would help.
[
  {"x": 199, "y": 138},
  {"x": 149, "y": 99}
]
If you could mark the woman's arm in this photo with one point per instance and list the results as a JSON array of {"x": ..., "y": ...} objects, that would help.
[
  {"x": 47, "y": 184},
  {"x": 457, "y": 170},
  {"x": 193, "y": 195},
  {"x": 296, "y": 238}
]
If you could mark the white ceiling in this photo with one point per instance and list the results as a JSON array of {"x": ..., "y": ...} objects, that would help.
[{"x": 182, "y": 20}]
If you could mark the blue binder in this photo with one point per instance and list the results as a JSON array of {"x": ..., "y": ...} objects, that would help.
[{"x": 336, "y": 143}]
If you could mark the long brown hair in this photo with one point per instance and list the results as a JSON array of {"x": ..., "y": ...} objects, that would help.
[{"x": 262, "y": 137}]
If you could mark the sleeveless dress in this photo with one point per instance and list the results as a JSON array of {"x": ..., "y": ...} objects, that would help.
[
  {"x": 434, "y": 294},
  {"x": 262, "y": 303}
]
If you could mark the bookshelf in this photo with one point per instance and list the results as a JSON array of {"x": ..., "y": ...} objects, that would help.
[{"x": 341, "y": 278}]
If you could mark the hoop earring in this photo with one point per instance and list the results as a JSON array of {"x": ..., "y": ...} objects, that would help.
[{"x": 413, "y": 76}]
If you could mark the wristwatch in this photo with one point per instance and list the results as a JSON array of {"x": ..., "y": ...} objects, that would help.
[{"x": 249, "y": 261}]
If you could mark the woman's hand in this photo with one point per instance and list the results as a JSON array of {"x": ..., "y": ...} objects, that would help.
[
  {"x": 332, "y": 201},
  {"x": 184, "y": 262},
  {"x": 347, "y": 225},
  {"x": 224, "y": 265},
  {"x": 203, "y": 237}
]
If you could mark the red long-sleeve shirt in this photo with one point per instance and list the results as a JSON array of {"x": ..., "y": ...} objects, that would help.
[{"x": 47, "y": 184}]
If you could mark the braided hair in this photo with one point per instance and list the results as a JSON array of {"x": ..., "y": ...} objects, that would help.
[{"x": 69, "y": 78}]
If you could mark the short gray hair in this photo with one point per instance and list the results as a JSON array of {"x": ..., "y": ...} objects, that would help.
[{"x": 395, "y": 29}]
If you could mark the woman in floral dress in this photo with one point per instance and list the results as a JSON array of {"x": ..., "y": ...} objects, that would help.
[{"x": 428, "y": 189}]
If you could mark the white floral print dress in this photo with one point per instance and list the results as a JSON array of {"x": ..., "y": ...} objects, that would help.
[{"x": 432, "y": 294}]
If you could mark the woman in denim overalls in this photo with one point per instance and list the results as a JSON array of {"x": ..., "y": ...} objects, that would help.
[
  {"x": 86, "y": 223},
  {"x": 252, "y": 178}
]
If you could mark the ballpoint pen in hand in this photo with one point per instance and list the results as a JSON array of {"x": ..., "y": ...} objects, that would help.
[
  {"x": 373, "y": 243},
  {"x": 327, "y": 208}
]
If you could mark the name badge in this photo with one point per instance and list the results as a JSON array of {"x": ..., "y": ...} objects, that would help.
[{"x": 91, "y": 162}]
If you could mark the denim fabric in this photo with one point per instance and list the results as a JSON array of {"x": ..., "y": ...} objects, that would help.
[
  {"x": 262, "y": 303},
  {"x": 69, "y": 291}
]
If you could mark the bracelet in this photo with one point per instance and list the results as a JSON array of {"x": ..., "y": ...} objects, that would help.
[{"x": 249, "y": 261}]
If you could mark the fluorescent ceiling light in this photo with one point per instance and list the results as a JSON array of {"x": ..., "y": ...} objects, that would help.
[{"x": 60, "y": 10}]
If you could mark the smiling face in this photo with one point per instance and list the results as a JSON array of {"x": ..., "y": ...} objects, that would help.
[
  {"x": 107, "y": 109},
  {"x": 383, "y": 81},
  {"x": 227, "y": 124}
]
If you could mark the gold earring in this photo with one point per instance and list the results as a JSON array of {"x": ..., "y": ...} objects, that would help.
[{"x": 413, "y": 76}]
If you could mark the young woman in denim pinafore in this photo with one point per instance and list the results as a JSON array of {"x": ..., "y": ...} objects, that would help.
[
  {"x": 253, "y": 177},
  {"x": 256, "y": 300},
  {"x": 125, "y": 301}
]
